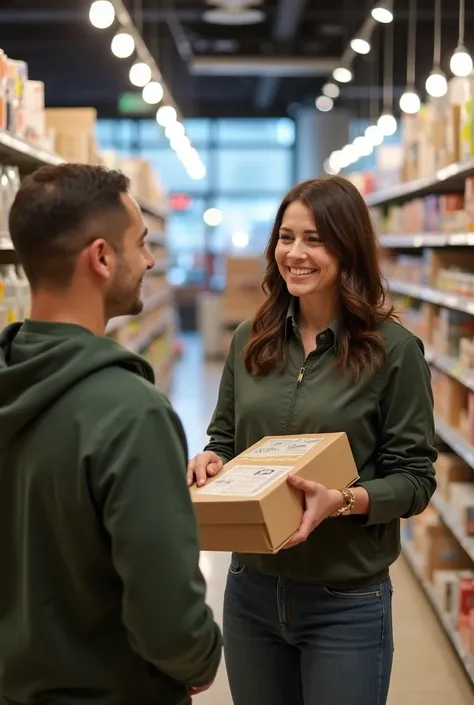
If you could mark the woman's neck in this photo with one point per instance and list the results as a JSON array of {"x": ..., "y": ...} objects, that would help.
[{"x": 315, "y": 314}]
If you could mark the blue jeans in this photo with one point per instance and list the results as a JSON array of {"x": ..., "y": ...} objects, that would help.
[{"x": 291, "y": 643}]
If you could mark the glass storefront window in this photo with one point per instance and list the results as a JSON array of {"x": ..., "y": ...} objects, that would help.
[{"x": 254, "y": 170}]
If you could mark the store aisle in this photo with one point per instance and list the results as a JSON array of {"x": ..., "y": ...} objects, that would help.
[{"x": 426, "y": 671}]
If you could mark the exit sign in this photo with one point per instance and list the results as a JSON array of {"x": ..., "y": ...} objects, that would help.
[{"x": 133, "y": 104}]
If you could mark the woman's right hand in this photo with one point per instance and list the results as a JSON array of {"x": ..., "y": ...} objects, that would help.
[{"x": 202, "y": 466}]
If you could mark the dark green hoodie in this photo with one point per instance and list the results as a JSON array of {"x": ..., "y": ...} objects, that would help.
[{"x": 101, "y": 596}]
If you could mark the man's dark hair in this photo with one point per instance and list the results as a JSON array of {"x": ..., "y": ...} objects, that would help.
[{"x": 58, "y": 211}]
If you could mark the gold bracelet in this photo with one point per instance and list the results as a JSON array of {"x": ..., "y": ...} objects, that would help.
[{"x": 348, "y": 504}]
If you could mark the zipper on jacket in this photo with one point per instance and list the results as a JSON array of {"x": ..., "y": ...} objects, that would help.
[{"x": 295, "y": 394}]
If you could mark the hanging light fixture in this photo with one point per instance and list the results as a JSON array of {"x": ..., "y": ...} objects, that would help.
[
  {"x": 140, "y": 74},
  {"x": 360, "y": 45},
  {"x": 373, "y": 134},
  {"x": 153, "y": 93},
  {"x": 324, "y": 103},
  {"x": 461, "y": 61},
  {"x": 386, "y": 123},
  {"x": 342, "y": 74},
  {"x": 383, "y": 11},
  {"x": 331, "y": 90},
  {"x": 410, "y": 101},
  {"x": 102, "y": 14},
  {"x": 436, "y": 83},
  {"x": 123, "y": 45}
]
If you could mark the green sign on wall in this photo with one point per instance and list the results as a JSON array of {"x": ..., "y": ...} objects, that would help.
[{"x": 133, "y": 104}]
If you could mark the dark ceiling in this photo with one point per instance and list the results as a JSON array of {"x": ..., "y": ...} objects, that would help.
[{"x": 74, "y": 59}]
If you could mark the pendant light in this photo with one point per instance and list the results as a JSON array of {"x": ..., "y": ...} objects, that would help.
[
  {"x": 373, "y": 133},
  {"x": 386, "y": 123},
  {"x": 383, "y": 11},
  {"x": 410, "y": 101},
  {"x": 461, "y": 61},
  {"x": 436, "y": 83}
]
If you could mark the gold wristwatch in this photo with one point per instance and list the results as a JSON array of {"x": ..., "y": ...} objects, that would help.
[{"x": 348, "y": 504}]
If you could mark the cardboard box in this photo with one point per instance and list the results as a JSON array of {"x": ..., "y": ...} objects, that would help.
[{"x": 250, "y": 507}]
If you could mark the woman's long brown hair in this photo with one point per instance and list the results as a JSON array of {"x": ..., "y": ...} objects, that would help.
[{"x": 345, "y": 228}]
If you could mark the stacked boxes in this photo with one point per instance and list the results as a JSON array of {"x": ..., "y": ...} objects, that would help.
[{"x": 243, "y": 294}]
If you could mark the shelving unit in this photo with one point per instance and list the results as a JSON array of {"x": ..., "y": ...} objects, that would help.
[
  {"x": 434, "y": 251},
  {"x": 151, "y": 333},
  {"x": 450, "y": 178},
  {"x": 427, "y": 240},
  {"x": 453, "y": 635}
]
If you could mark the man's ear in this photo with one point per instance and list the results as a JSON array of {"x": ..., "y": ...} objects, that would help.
[{"x": 101, "y": 258}]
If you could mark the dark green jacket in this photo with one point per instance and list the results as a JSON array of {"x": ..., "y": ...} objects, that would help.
[
  {"x": 388, "y": 417},
  {"x": 101, "y": 597}
]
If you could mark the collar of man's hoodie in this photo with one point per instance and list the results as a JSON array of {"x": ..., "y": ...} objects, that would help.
[{"x": 40, "y": 361}]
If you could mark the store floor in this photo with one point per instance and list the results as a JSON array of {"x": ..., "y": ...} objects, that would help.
[{"x": 426, "y": 670}]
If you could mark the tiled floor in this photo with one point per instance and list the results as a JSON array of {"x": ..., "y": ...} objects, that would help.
[{"x": 426, "y": 670}]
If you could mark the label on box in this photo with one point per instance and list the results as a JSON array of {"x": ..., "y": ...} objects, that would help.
[
  {"x": 245, "y": 480},
  {"x": 277, "y": 447}
]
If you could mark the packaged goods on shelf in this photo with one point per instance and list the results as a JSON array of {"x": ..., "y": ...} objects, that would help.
[
  {"x": 243, "y": 294},
  {"x": 451, "y": 468},
  {"x": 72, "y": 132},
  {"x": 434, "y": 544},
  {"x": 14, "y": 295}
]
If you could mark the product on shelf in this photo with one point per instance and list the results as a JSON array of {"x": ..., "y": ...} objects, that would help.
[
  {"x": 243, "y": 294},
  {"x": 9, "y": 185},
  {"x": 14, "y": 295},
  {"x": 451, "y": 468}
]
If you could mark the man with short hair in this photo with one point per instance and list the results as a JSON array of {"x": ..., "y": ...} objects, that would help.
[{"x": 101, "y": 596}]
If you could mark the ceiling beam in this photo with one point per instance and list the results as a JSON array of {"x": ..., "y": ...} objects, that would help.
[
  {"x": 65, "y": 16},
  {"x": 278, "y": 67},
  {"x": 289, "y": 14}
]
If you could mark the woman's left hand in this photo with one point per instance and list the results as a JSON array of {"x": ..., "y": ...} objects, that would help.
[{"x": 320, "y": 503}]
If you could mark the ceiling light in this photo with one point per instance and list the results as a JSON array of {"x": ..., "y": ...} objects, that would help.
[
  {"x": 240, "y": 239},
  {"x": 197, "y": 173},
  {"x": 180, "y": 144},
  {"x": 102, "y": 14},
  {"x": 123, "y": 45},
  {"x": 382, "y": 12},
  {"x": 461, "y": 62},
  {"x": 336, "y": 160},
  {"x": 436, "y": 84},
  {"x": 374, "y": 134},
  {"x": 330, "y": 168},
  {"x": 387, "y": 124},
  {"x": 324, "y": 103},
  {"x": 342, "y": 74},
  {"x": 364, "y": 146},
  {"x": 166, "y": 115},
  {"x": 175, "y": 130},
  {"x": 331, "y": 90},
  {"x": 234, "y": 16},
  {"x": 410, "y": 102},
  {"x": 213, "y": 217},
  {"x": 360, "y": 46},
  {"x": 350, "y": 154},
  {"x": 152, "y": 93},
  {"x": 140, "y": 74}
]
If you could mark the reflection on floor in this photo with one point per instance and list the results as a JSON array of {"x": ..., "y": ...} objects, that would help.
[{"x": 426, "y": 670}]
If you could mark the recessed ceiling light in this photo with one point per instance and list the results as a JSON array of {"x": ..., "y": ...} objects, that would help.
[{"x": 233, "y": 17}]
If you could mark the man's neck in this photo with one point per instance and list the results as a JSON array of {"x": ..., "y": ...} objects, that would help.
[{"x": 51, "y": 307}]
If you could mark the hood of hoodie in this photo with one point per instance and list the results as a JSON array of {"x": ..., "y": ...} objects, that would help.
[{"x": 41, "y": 361}]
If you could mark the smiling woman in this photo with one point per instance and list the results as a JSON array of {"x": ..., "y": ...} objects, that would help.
[
  {"x": 323, "y": 355},
  {"x": 322, "y": 251}
]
